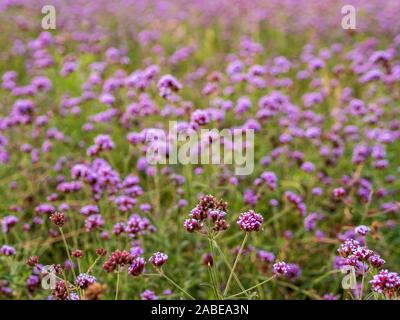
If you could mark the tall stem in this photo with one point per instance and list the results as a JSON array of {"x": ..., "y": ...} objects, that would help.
[
  {"x": 213, "y": 271},
  {"x": 251, "y": 288},
  {"x": 229, "y": 266},
  {"x": 117, "y": 288},
  {"x": 176, "y": 285},
  {"x": 235, "y": 264},
  {"x": 93, "y": 264},
  {"x": 361, "y": 290},
  {"x": 68, "y": 254}
]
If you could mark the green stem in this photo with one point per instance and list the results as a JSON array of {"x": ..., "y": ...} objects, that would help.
[
  {"x": 93, "y": 264},
  {"x": 68, "y": 254},
  {"x": 217, "y": 296},
  {"x": 117, "y": 288},
  {"x": 361, "y": 291},
  {"x": 251, "y": 288},
  {"x": 176, "y": 285},
  {"x": 235, "y": 264},
  {"x": 229, "y": 266},
  {"x": 212, "y": 268}
]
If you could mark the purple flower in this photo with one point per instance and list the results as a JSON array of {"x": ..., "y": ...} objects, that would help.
[
  {"x": 293, "y": 271},
  {"x": 8, "y": 222},
  {"x": 94, "y": 222},
  {"x": 191, "y": 225},
  {"x": 158, "y": 259},
  {"x": 338, "y": 193},
  {"x": 270, "y": 179},
  {"x": 362, "y": 230},
  {"x": 376, "y": 261},
  {"x": 265, "y": 256},
  {"x": 148, "y": 295},
  {"x": 167, "y": 85},
  {"x": 83, "y": 280},
  {"x": 89, "y": 210},
  {"x": 7, "y": 250},
  {"x": 385, "y": 282},
  {"x": 250, "y": 221},
  {"x": 137, "y": 266},
  {"x": 280, "y": 268},
  {"x": 330, "y": 296},
  {"x": 104, "y": 142},
  {"x": 200, "y": 117}
]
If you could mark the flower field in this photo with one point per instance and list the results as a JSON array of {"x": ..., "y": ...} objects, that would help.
[{"x": 86, "y": 213}]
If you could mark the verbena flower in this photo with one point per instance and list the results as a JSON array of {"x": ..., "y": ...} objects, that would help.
[
  {"x": 250, "y": 221},
  {"x": 83, "y": 280},
  {"x": 158, "y": 259},
  {"x": 136, "y": 267}
]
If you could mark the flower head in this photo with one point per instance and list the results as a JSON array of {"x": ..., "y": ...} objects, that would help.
[
  {"x": 280, "y": 268},
  {"x": 137, "y": 266},
  {"x": 250, "y": 221},
  {"x": 158, "y": 259},
  {"x": 83, "y": 280},
  {"x": 148, "y": 295},
  {"x": 58, "y": 218}
]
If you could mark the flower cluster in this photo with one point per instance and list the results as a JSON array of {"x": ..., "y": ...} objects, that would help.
[
  {"x": 358, "y": 256},
  {"x": 117, "y": 259},
  {"x": 250, "y": 221},
  {"x": 84, "y": 280},
  {"x": 64, "y": 291},
  {"x": 58, "y": 218},
  {"x": 386, "y": 282},
  {"x": 158, "y": 259},
  {"x": 136, "y": 267},
  {"x": 208, "y": 208}
]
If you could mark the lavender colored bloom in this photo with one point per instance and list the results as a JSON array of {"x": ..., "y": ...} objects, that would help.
[
  {"x": 308, "y": 167},
  {"x": 7, "y": 251},
  {"x": 200, "y": 117},
  {"x": 265, "y": 256},
  {"x": 376, "y": 261},
  {"x": 293, "y": 271},
  {"x": 148, "y": 295},
  {"x": 136, "y": 267},
  {"x": 89, "y": 210},
  {"x": 94, "y": 222},
  {"x": 250, "y": 221},
  {"x": 385, "y": 282},
  {"x": 362, "y": 230},
  {"x": 310, "y": 221},
  {"x": 338, "y": 193},
  {"x": 191, "y": 225},
  {"x": 8, "y": 222},
  {"x": 330, "y": 296},
  {"x": 83, "y": 280},
  {"x": 167, "y": 85},
  {"x": 280, "y": 268},
  {"x": 270, "y": 179},
  {"x": 158, "y": 259}
]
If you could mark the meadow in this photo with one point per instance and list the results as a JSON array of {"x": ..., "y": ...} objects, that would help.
[{"x": 84, "y": 215}]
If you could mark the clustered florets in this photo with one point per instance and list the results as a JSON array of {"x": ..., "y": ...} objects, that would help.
[
  {"x": 83, "y": 280},
  {"x": 352, "y": 253},
  {"x": 117, "y": 259},
  {"x": 358, "y": 256},
  {"x": 208, "y": 209},
  {"x": 64, "y": 291},
  {"x": 137, "y": 266},
  {"x": 250, "y": 221},
  {"x": 386, "y": 282},
  {"x": 58, "y": 218},
  {"x": 158, "y": 259}
]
